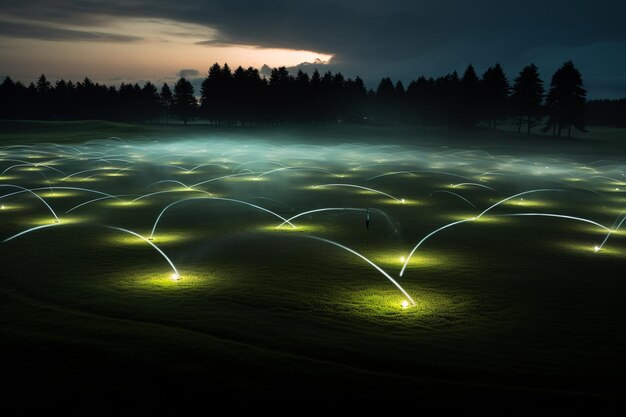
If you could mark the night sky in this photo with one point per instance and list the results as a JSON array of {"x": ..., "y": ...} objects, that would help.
[{"x": 136, "y": 40}]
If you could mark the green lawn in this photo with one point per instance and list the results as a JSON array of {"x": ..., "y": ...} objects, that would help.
[{"x": 517, "y": 308}]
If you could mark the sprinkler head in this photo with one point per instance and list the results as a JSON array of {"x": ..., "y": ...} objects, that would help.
[
  {"x": 175, "y": 277},
  {"x": 405, "y": 304},
  {"x": 402, "y": 259},
  {"x": 596, "y": 248},
  {"x": 402, "y": 201},
  {"x": 2, "y": 208}
]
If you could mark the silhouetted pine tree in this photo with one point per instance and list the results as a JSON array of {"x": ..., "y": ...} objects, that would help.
[
  {"x": 166, "y": 99},
  {"x": 279, "y": 94},
  {"x": 385, "y": 100},
  {"x": 356, "y": 99},
  {"x": 400, "y": 102},
  {"x": 301, "y": 99},
  {"x": 11, "y": 95},
  {"x": 495, "y": 93},
  {"x": 447, "y": 100},
  {"x": 227, "y": 101},
  {"x": 527, "y": 96},
  {"x": 129, "y": 102},
  {"x": 420, "y": 100},
  {"x": 184, "y": 103},
  {"x": 62, "y": 99},
  {"x": 566, "y": 101},
  {"x": 326, "y": 96},
  {"x": 42, "y": 103},
  {"x": 211, "y": 95},
  {"x": 256, "y": 96},
  {"x": 315, "y": 88},
  {"x": 238, "y": 96},
  {"x": 150, "y": 102},
  {"x": 469, "y": 98},
  {"x": 337, "y": 98}
]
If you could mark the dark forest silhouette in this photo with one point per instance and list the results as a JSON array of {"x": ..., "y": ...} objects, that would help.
[{"x": 243, "y": 97}]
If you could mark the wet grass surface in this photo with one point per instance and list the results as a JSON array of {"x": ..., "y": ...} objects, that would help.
[{"x": 514, "y": 308}]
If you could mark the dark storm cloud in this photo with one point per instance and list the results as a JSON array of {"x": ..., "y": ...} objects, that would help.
[
  {"x": 48, "y": 33},
  {"x": 188, "y": 72},
  {"x": 376, "y": 38}
]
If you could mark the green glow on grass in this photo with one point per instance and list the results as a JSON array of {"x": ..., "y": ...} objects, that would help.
[
  {"x": 126, "y": 204},
  {"x": 613, "y": 210},
  {"x": 300, "y": 227},
  {"x": 382, "y": 305},
  {"x": 613, "y": 188},
  {"x": 246, "y": 178},
  {"x": 403, "y": 202},
  {"x": 610, "y": 249},
  {"x": 160, "y": 279},
  {"x": 159, "y": 239},
  {"x": 94, "y": 178},
  {"x": 526, "y": 203},
  {"x": 58, "y": 194},
  {"x": 590, "y": 229},
  {"x": 395, "y": 259},
  {"x": 40, "y": 221},
  {"x": 10, "y": 207},
  {"x": 486, "y": 219}
]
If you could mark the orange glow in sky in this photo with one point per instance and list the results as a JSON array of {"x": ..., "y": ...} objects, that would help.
[{"x": 165, "y": 48}]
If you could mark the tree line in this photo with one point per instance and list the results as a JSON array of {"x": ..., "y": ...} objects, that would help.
[{"x": 243, "y": 97}]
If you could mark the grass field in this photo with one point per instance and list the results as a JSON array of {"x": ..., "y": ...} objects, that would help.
[{"x": 524, "y": 301}]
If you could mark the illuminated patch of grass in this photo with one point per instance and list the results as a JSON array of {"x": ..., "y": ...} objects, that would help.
[
  {"x": 127, "y": 204},
  {"x": 160, "y": 279},
  {"x": 385, "y": 305},
  {"x": 300, "y": 228},
  {"x": 64, "y": 220},
  {"x": 396, "y": 259},
  {"x": 58, "y": 194},
  {"x": 589, "y": 249},
  {"x": 10, "y": 207},
  {"x": 160, "y": 238},
  {"x": 527, "y": 203}
]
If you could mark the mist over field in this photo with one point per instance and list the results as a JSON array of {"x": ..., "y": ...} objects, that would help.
[{"x": 259, "y": 262}]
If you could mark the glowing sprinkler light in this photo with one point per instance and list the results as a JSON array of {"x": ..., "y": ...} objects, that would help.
[
  {"x": 405, "y": 304},
  {"x": 402, "y": 201},
  {"x": 175, "y": 275},
  {"x": 2, "y": 207},
  {"x": 596, "y": 248},
  {"x": 386, "y": 275},
  {"x": 402, "y": 259}
]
